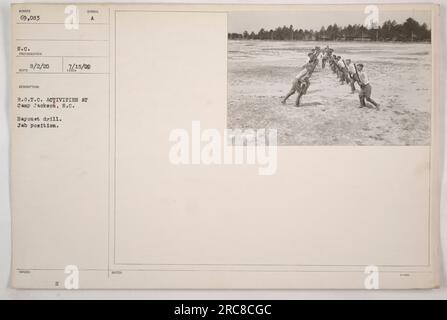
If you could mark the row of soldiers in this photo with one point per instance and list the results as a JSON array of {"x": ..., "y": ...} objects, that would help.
[
  {"x": 302, "y": 81},
  {"x": 350, "y": 73},
  {"x": 347, "y": 72}
]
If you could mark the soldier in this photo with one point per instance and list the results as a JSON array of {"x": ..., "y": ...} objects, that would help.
[
  {"x": 326, "y": 56},
  {"x": 312, "y": 65},
  {"x": 318, "y": 55},
  {"x": 351, "y": 74},
  {"x": 341, "y": 73},
  {"x": 365, "y": 92},
  {"x": 310, "y": 56},
  {"x": 336, "y": 66},
  {"x": 300, "y": 84},
  {"x": 324, "y": 59},
  {"x": 333, "y": 63}
]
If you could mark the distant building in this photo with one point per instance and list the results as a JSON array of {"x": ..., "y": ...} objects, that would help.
[
  {"x": 310, "y": 37},
  {"x": 350, "y": 38},
  {"x": 362, "y": 39}
]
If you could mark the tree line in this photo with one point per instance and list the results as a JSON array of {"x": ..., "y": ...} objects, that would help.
[{"x": 410, "y": 30}]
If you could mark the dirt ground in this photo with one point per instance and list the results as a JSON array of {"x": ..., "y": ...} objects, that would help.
[{"x": 261, "y": 72}]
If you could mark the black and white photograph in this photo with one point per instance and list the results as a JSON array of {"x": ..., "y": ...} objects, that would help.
[
  {"x": 300, "y": 156},
  {"x": 357, "y": 77}
]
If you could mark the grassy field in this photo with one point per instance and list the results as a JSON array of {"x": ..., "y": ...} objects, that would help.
[{"x": 261, "y": 72}]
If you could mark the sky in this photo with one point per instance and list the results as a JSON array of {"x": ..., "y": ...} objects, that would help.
[{"x": 255, "y": 20}]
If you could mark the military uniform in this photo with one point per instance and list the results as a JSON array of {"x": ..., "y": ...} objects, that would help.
[
  {"x": 299, "y": 85},
  {"x": 341, "y": 73},
  {"x": 352, "y": 76},
  {"x": 366, "y": 90}
]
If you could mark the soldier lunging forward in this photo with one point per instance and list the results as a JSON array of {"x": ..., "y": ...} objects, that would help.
[
  {"x": 300, "y": 84},
  {"x": 365, "y": 92}
]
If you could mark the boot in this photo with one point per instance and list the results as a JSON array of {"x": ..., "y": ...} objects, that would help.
[
  {"x": 362, "y": 102},
  {"x": 374, "y": 103},
  {"x": 283, "y": 101},
  {"x": 298, "y": 100}
]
